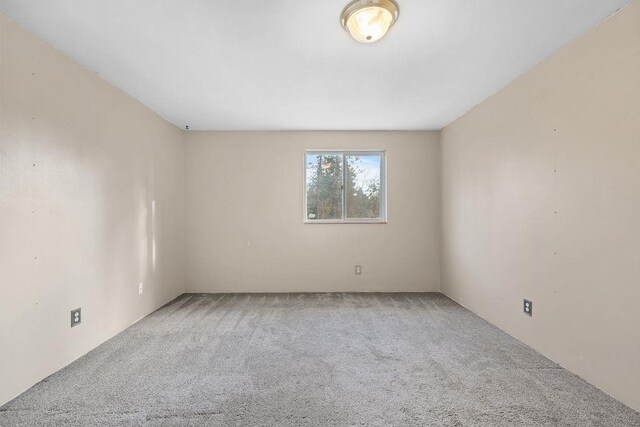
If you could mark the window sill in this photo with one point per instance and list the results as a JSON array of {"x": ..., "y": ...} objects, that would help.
[{"x": 352, "y": 221}]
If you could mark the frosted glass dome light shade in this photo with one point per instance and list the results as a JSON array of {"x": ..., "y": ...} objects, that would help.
[{"x": 367, "y": 21}]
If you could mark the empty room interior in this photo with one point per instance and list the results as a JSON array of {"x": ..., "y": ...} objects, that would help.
[{"x": 320, "y": 213}]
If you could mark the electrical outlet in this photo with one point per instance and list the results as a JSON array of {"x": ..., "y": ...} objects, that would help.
[
  {"x": 358, "y": 269},
  {"x": 528, "y": 308},
  {"x": 140, "y": 288},
  {"x": 76, "y": 317}
]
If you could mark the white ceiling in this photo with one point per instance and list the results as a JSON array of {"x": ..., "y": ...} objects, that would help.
[{"x": 289, "y": 65}]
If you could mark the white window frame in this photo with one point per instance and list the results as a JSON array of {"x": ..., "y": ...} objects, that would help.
[{"x": 383, "y": 187}]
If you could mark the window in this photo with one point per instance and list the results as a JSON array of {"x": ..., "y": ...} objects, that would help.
[{"x": 344, "y": 186}]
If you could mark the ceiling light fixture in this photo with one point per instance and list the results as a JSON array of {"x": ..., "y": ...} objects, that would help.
[{"x": 369, "y": 20}]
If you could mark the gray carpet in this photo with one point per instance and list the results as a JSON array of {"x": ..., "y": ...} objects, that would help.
[{"x": 311, "y": 360}]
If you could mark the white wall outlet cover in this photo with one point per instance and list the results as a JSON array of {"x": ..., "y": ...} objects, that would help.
[{"x": 140, "y": 288}]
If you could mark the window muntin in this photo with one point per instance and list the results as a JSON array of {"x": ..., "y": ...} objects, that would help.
[{"x": 344, "y": 186}]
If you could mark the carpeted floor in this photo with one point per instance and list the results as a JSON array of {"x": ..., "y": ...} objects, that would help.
[{"x": 311, "y": 360}]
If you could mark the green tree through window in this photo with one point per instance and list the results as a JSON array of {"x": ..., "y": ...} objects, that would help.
[{"x": 344, "y": 186}]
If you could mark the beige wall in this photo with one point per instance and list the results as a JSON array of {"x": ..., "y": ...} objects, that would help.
[
  {"x": 541, "y": 200},
  {"x": 80, "y": 165},
  {"x": 245, "y": 232}
]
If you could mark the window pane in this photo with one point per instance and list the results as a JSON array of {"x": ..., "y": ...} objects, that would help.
[
  {"x": 324, "y": 186},
  {"x": 363, "y": 185}
]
